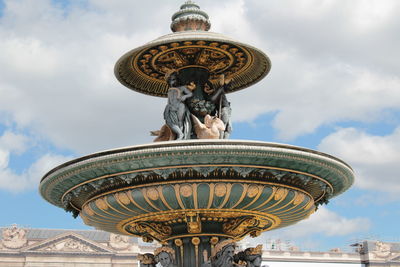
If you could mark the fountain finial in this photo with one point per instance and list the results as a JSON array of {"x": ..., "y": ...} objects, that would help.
[{"x": 190, "y": 18}]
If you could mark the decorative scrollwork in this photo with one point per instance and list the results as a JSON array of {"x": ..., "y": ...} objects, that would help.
[
  {"x": 238, "y": 227},
  {"x": 157, "y": 231}
]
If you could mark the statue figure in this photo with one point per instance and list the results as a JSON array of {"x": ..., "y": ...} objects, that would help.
[
  {"x": 14, "y": 237},
  {"x": 210, "y": 129},
  {"x": 224, "y": 110},
  {"x": 165, "y": 256},
  {"x": 206, "y": 260},
  {"x": 382, "y": 250},
  {"x": 176, "y": 114},
  {"x": 251, "y": 256},
  {"x": 147, "y": 260},
  {"x": 119, "y": 242},
  {"x": 222, "y": 254},
  {"x": 164, "y": 134}
]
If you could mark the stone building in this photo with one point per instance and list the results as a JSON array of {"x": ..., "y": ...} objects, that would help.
[
  {"x": 20, "y": 247},
  {"x": 65, "y": 248}
]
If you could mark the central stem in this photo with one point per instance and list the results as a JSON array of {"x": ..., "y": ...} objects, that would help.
[{"x": 193, "y": 251}]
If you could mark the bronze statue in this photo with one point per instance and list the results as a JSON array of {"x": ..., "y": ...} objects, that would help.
[
  {"x": 176, "y": 113},
  {"x": 251, "y": 256},
  {"x": 147, "y": 260},
  {"x": 224, "y": 110},
  {"x": 165, "y": 256},
  {"x": 223, "y": 253}
]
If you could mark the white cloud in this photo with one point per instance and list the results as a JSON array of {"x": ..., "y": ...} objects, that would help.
[
  {"x": 57, "y": 74},
  {"x": 375, "y": 159},
  {"x": 28, "y": 179},
  {"x": 4, "y": 159},
  {"x": 324, "y": 68},
  {"x": 323, "y": 222},
  {"x": 12, "y": 180},
  {"x": 13, "y": 143},
  {"x": 328, "y": 223}
]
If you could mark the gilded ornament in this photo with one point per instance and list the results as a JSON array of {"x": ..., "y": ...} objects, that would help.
[
  {"x": 254, "y": 234},
  {"x": 218, "y": 247},
  {"x": 178, "y": 242},
  {"x": 252, "y": 191},
  {"x": 123, "y": 197},
  {"x": 101, "y": 204},
  {"x": 298, "y": 198},
  {"x": 155, "y": 230},
  {"x": 147, "y": 259},
  {"x": 195, "y": 241},
  {"x": 153, "y": 51},
  {"x": 214, "y": 240},
  {"x": 254, "y": 251},
  {"x": 309, "y": 205},
  {"x": 152, "y": 193},
  {"x": 220, "y": 190},
  {"x": 280, "y": 193},
  {"x": 88, "y": 210},
  {"x": 239, "y": 226},
  {"x": 186, "y": 190}
]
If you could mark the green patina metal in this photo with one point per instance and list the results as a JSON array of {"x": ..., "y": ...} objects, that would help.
[
  {"x": 278, "y": 185},
  {"x": 136, "y": 165}
]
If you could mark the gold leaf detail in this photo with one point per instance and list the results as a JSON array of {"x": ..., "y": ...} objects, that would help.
[
  {"x": 123, "y": 198},
  {"x": 186, "y": 190},
  {"x": 252, "y": 191},
  {"x": 309, "y": 205},
  {"x": 280, "y": 193},
  {"x": 88, "y": 210},
  {"x": 101, "y": 204},
  {"x": 152, "y": 193},
  {"x": 220, "y": 190},
  {"x": 298, "y": 198}
]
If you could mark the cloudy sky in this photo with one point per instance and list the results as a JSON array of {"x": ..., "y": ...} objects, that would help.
[{"x": 334, "y": 86}]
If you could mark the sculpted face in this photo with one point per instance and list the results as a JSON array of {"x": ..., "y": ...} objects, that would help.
[
  {"x": 172, "y": 80},
  {"x": 257, "y": 262},
  {"x": 228, "y": 255},
  {"x": 214, "y": 122},
  {"x": 165, "y": 259}
]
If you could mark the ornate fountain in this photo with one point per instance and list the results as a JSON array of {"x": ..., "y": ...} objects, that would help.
[{"x": 193, "y": 190}]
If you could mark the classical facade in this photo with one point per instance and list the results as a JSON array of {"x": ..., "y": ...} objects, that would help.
[
  {"x": 65, "y": 248},
  {"x": 21, "y": 247}
]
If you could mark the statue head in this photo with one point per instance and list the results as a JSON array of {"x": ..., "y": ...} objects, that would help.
[
  {"x": 147, "y": 260},
  {"x": 252, "y": 256},
  {"x": 171, "y": 77},
  {"x": 214, "y": 122},
  {"x": 165, "y": 256},
  {"x": 222, "y": 254}
]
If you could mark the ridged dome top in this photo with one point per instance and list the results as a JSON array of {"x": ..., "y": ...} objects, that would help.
[{"x": 190, "y": 18}]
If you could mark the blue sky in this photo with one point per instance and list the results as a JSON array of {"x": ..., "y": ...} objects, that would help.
[{"x": 333, "y": 87}]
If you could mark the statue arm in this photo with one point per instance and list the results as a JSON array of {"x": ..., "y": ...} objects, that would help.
[
  {"x": 217, "y": 94},
  {"x": 186, "y": 93}
]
